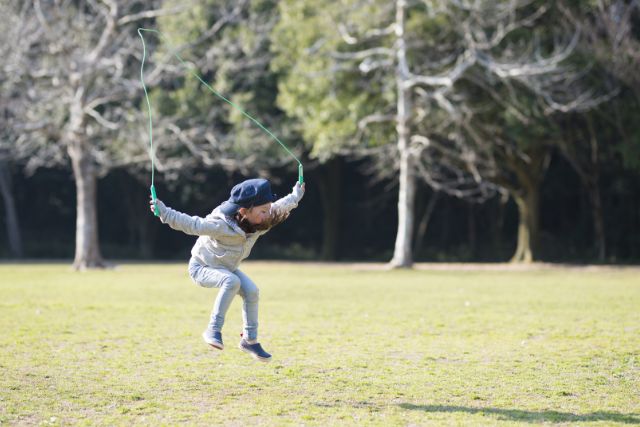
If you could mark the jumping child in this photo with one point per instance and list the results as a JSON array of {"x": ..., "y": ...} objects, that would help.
[{"x": 226, "y": 237}]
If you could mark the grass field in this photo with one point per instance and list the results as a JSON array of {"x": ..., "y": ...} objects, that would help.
[{"x": 351, "y": 346}]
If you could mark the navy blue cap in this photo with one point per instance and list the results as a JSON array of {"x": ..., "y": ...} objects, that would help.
[{"x": 252, "y": 192}]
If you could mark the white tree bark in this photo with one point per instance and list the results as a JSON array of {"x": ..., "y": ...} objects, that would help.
[
  {"x": 87, "y": 250},
  {"x": 403, "y": 253}
]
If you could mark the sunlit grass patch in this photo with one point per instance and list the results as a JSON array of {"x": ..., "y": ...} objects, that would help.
[{"x": 350, "y": 345}]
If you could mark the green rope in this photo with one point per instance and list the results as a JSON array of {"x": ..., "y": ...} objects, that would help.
[{"x": 219, "y": 95}]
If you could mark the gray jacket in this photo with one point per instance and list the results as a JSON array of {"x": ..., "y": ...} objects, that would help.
[{"x": 222, "y": 243}]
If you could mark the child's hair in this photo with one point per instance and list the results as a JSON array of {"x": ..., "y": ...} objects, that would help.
[{"x": 274, "y": 219}]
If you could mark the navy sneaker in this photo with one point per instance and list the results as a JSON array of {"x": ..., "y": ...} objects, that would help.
[
  {"x": 255, "y": 350},
  {"x": 214, "y": 339}
]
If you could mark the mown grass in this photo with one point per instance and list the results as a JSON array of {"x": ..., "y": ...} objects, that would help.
[{"x": 351, "y": 347}]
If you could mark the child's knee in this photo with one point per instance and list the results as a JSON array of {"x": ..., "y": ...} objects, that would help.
[
  {"x": 231, "y": 282},
  {"x": 252, "y": 295}
]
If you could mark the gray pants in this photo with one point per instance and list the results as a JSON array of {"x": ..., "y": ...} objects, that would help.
[{"x": 230, "y": 284}]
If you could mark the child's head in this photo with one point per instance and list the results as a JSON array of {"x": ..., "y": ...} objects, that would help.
[
  {"x": 248, "y": 194},
  {"x": 250, "y": 204}
]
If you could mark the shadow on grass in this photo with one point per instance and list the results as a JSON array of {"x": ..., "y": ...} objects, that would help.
[{"x": 530, "y": 416}]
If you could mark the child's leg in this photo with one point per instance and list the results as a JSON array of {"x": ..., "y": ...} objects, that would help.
[
  {"x": 229, "y": 287},
  {"x": 250, "y": 296},
  {"x": 228, "y": 283}
]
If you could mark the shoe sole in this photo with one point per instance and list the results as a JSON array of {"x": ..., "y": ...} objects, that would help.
[
  {"x": 216, "y": 346},
  {"x": 212, "y": 344},
  {"x": 255, "y": 356}
]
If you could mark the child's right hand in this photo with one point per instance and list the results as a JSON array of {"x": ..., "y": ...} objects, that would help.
[{"x": 152, "y": 204}]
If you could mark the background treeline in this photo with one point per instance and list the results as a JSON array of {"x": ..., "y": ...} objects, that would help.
[
  {"x": 430, "y": 131},
  {"x": 366, "y": 223}
]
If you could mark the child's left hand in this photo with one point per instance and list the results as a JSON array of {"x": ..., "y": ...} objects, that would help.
[{"x": 298, "y": 190}]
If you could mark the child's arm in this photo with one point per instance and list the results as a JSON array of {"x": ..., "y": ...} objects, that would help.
[
  {"x": 193, "y": 225},
  {"x": 290, "y": 201}
]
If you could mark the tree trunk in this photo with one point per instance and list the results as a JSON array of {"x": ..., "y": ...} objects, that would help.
[
  {"x": 528, "y": 226},
  {"x": 498, "y": 224},
  {"x": 588, "y": 170},
  {"x": 87, "y": 253},
  {"x": 424, "y": 222},
  {"x": 403, "y": 255},
  {"x": 330, "y": 193},
  {"x": 598, "y": 222},
  {"x": 12, "y": 224},
  {"x": 592, "y": 183},
  {"x": 472, "y": 230},
  {"x": 529, "y": 172},
  {"x": 139, "y": 226}
]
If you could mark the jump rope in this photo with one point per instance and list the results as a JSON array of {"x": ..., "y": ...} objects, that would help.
[{"x": 219, "y": 95}]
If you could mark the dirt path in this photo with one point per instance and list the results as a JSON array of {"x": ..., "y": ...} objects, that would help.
[{"x": 445, "y": 266}]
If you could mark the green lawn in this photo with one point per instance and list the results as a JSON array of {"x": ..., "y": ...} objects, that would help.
[{"x": 351, "y": 347}]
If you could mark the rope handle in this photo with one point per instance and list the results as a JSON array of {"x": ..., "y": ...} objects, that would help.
[{"x": 156, "y": 209}]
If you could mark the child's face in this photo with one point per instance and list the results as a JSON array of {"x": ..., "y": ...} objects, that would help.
[{"x": 257, "y": 214}]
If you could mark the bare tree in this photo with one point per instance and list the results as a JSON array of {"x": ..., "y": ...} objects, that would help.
[
  {"x": 81, "y": 76},
  {"x": 85, "y": 98}
]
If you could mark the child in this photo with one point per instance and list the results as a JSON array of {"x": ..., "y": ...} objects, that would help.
[{"x": 226, "y": 237}]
